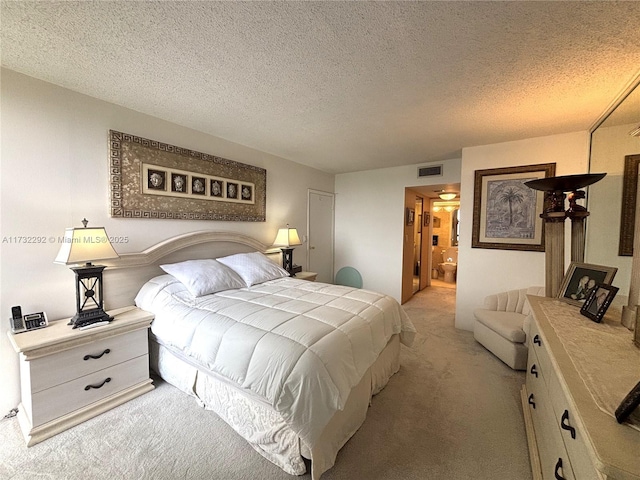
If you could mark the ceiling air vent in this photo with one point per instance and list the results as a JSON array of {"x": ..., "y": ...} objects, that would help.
[{"x": 431, "y": 171}]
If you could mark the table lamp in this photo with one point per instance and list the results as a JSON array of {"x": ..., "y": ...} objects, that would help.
[
  {"x": 287, "y": 238},
  {"x": 80, "y": 247}
]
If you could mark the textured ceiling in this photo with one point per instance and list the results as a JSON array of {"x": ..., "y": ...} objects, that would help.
[{"x": 341, "y": 86}]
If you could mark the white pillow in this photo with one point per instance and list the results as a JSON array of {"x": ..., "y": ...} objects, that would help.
[
  {"x": 254, "y": 267},
  {"x": 202, "y": 277}
]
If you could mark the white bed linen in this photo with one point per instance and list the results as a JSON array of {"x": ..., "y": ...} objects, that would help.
[
  {"x": 260, "y": 425},
  {"x": 298, "y": 346}
]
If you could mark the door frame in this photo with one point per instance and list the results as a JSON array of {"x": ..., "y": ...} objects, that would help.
[{"x": 333, "y": 227}]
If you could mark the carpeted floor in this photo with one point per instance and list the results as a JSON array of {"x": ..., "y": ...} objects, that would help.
[{"x": 452, "y": 412}]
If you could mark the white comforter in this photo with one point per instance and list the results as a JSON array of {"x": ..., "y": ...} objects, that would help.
[{"x": 300, "y": 346}]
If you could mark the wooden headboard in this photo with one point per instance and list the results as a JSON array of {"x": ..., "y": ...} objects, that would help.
[{"x": 124, "y": 276}]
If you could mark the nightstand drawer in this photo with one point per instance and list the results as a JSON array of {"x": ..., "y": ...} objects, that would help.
[
  {"x": 77, "y": 362},
  {"x": 67, "y": 397}
]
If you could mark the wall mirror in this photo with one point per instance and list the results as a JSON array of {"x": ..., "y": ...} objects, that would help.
[{"x": 615, "y": 139}]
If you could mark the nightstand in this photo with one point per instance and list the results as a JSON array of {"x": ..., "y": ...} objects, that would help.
[
  {"x": 69, "y": 375},
  {"x": 311, "y": 276}
]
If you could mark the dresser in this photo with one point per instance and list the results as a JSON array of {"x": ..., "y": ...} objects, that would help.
[
  {"x": 69, "y": 375},
  {"x": 577, "y": 373}
]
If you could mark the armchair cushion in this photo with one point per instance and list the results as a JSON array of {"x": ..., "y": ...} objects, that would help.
[{"x": 506, "y": 324}]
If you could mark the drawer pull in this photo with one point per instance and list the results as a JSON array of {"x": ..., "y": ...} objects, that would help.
[
  {"x": 534, "y": 370},
  {"x": 531, "y": 402},
  {"x": 537, "y": 340},
  {"x": 557, "y": 471},
  {"x": 106, "y": 380},
  {"x": 95, "y": 357},
  {"x": 565, "y": 425}
]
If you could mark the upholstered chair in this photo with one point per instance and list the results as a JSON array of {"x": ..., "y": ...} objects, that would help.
[{"x": 502, "y": 325}]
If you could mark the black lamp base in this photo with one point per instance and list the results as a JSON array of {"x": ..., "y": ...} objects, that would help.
[
  {"x": 287, "y": 262},
  {"x": 89, "y": 304},
  {"x": 89, "y": 317}
]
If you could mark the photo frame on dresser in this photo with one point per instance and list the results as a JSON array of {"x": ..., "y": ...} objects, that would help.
[
  {"x": 598, "y": 301},
  {"x": 628, "y": 404},
  {"x": 581, "y": 279}
]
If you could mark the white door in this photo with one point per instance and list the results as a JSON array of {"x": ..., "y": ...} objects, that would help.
[{"x": 320, "y": 228}]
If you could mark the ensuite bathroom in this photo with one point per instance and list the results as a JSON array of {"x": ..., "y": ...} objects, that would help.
[
  {"x": 445, "y": 234},
  {"x": 444, "y": 241}
]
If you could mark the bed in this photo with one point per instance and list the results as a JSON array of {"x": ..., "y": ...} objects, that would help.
[{"x": 291, "y": 365}]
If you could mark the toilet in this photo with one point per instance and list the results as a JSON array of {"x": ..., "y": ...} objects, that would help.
[{"x": 449, "y": 264}]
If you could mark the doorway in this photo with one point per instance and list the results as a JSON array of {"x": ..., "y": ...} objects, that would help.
[{"x": 435, "y": 230}]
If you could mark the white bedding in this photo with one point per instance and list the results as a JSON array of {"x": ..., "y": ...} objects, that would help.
[{"x": 298, "y": 346}]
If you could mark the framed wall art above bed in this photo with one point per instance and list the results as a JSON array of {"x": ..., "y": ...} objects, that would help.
[{"x": 151, "y": 179}]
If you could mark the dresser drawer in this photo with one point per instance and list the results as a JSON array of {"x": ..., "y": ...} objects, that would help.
[
  {"x": 47, "y": 372},
  {"x": 535, "y": 372},
  {"x": 572, "y": 432},
  {"x": 537, "y": 345},
  {"x": 65, "y": 398},
  {"x": 554, "y": 460}
]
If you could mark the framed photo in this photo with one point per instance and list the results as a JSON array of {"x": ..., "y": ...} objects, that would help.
[
  {"x": 232, "y": 190},
  {"x": 198, "y": 185},
  {"x": 596, "y": 304},
  {"x": 410, "y": 216},
  {"x": 156, "y": 179},
  {"x": 436, "y": 222},
  {"x": 628, "y": 404},
  {"x": 583, "y": 278},
  {"x": 217, "y": 188},
  {"x": 427, "y": 219},
  {"x": 506, "y": 213}
]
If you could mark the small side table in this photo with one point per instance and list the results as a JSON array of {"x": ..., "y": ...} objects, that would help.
[
  {"x": 310, "y": 276},
  {"x": 70, "y": 375}
]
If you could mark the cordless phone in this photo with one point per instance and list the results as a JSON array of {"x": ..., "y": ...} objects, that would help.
[
  {"x": 20, "y": 323},
  {"x": 17, "y": 322}
]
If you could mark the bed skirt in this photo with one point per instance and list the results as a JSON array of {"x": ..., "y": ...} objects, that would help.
[{"x": 261, "y": 425}]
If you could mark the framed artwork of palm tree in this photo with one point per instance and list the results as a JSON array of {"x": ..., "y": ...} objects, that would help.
[{"x": 506, "y": 213}]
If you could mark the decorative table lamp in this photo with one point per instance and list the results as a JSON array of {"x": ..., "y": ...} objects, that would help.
[
  {"x": 86, "y": 245},
  {"x": 287, "y": 238},
  {"x": 554, "y": 216}
]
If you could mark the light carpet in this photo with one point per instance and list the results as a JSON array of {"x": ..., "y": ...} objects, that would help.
[{"x": 452, "y": 412}]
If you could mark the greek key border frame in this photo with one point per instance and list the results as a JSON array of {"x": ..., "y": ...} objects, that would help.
[{"x": 117, "y": 192}]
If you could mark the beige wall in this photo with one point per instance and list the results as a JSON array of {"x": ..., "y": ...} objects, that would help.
[
  {"x": 370, "y": 221},
  {"x": 482, "y": 272},
  {"x": 444, "y": 231},
  {"x": 54, "y": 172}
]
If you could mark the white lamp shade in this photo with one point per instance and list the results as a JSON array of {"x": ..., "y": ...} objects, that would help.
[
  {"x": 287, "y": 237},
  {"x": 82, "y": 245},
  {"x": 447, "y": 196}
]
